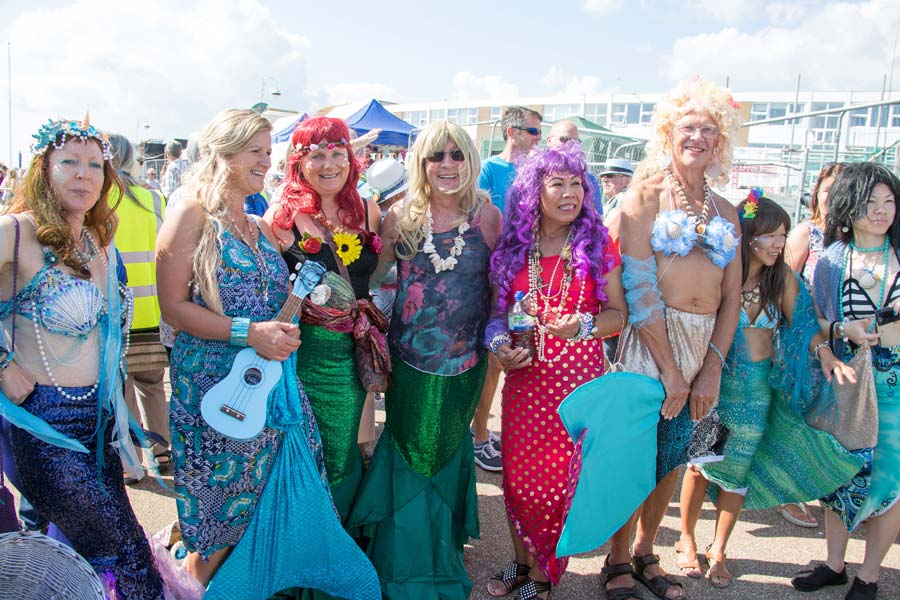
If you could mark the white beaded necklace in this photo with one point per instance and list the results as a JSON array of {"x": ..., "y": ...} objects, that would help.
[
  {"x": 442, "y": 264},
  {"x": 129, "y": 312}
]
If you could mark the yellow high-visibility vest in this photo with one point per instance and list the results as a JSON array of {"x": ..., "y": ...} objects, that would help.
[{"x": 136, "y": 241}]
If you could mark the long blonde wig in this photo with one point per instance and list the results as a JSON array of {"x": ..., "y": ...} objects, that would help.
[
  {"x": 693, "y": 97},
  {"x": 227, "y": 134},
  {"x": 412, "y": 215}
]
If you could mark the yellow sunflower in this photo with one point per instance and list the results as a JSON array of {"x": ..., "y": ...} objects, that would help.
[{"x": 348, "y": 246}]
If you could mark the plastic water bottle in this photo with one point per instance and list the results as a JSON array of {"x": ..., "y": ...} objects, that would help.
[{"x": 521, "y": 325}]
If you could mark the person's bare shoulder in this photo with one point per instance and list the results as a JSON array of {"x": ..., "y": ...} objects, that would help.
[
  {"x": 643, "y": 198},
  {"x": 725, "y": 208}
]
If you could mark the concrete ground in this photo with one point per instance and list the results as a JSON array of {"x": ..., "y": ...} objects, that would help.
[{"x": 764, "y": 551}]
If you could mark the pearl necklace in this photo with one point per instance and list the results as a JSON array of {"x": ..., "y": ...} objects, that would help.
[
  {"x": 428, "y": 247},
  {"x": 750, "y": 297},
  {"x": 682, "y": 195},
  {"x": 551, "y": 313}
]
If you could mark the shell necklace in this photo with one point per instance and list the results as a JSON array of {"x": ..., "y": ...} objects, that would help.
[
  {"x": 428, "y": 247},
  {"x": 750, "y": 297},
  {"x": 682, "y": 195}
]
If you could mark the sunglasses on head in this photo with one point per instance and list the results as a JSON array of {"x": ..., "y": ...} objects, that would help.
[
  {"x": 455, "y": 156},
  {"x": 529, "y": 130}
]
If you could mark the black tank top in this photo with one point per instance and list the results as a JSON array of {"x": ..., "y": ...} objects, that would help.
[{"x": 360, "y": 270}]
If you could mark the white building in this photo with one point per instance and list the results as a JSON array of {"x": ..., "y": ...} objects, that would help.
[{"x": 769, "y": 155}]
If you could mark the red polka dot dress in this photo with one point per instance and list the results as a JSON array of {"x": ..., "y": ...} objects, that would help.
[{"x": 537, "y": 450}]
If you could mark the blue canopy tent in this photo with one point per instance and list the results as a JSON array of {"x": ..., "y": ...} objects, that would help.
[
  {"x": 284, "y": 134},
  {"x": 394, "y": 131}
]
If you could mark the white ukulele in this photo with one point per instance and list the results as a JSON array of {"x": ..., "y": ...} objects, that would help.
[{"x": 236, "y": 407}]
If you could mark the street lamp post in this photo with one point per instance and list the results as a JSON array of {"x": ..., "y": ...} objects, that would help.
[{"x": 276, "y": 89}]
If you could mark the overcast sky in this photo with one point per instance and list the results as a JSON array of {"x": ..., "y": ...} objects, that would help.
[{"x": 172, "y": 64}]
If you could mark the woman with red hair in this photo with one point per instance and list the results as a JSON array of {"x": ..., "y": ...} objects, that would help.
[{"x": 321, "y": 217}]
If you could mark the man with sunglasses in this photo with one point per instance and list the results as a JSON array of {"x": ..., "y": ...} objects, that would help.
[{"x": 521, "y": 131}]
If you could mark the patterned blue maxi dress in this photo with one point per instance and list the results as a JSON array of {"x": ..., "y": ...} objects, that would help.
[{"x": 267, "y": 496}]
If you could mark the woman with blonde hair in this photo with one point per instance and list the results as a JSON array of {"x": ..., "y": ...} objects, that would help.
[
  {"x": 417, "y": 502},
  {"x": 221, "y": 282}
]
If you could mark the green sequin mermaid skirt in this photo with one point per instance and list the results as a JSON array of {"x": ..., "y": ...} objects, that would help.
[
  {"x": 327, "y": 369},
  {"x": 418, "y": 503},
  {"x": 771, "y": 451}
]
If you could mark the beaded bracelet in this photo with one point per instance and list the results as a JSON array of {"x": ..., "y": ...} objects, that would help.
[
  {"x": 818, "y": 347},
  {"x": 497, "y": 341},
  {"x": 586, "y": 324},
  {"x": 718, "y": 352},
  {"x": 240, "y": 328}
]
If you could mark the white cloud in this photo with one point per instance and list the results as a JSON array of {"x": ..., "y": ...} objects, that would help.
[
  {"x": 173, "y": 67},
  {"x": 842, "y": 46},
  {"x": 730, "y": 12},
  {"x": 343, "y": 93},
  {"x": 558, "y": 82},
  {"x": 601, "y": 8},
  {"x": 468, "y": 86}
]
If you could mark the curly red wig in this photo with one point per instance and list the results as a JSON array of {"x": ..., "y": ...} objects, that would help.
[{"x": 300, "y": 197}]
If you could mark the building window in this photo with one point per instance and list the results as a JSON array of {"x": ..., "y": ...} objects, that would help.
[
  {"x": 646, "y": 112},
  {"x": 437, "y": 114},
  {"x": 496, "y": 113},
  {"x": 825, "y": 121},
  {"x": 895, "y": 115},
  {"x": 858, "y": 117},
  {"x": 759, "y": 111},
  {"x": 416, "y": 118},
  {"x": 463, "y": 116},
  {"x": 555, "y": 112},
  {"x": 595, "y": 113}
]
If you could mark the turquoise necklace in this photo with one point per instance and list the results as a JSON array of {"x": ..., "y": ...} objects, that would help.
[{"x": 885, "y": 248}]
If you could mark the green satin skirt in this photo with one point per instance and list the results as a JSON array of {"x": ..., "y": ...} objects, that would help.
[
  {"x": 327, "y": 369},
  {"x": 417, "y": 504}
]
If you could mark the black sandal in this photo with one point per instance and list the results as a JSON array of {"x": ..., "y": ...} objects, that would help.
[
  {"x": 164, "y": 460},
  {"x": 509, "y": 577},
  {"x": 610, "y": 572},
  {"x": 531, "y": 588},
  {"x": 657, "y": 585}
]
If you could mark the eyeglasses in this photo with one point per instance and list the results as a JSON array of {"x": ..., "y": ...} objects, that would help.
[
  {"x": 455, "y": 156},
  {"x": 707, "y": 131},
  {"x": 529, "y": 130}
]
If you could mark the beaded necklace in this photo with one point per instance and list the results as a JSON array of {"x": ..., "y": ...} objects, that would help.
[
  {"x": 682, "y": 195},
  {"x": 536, "y": 285},
  {"x": 255, "y": 250},
  {"x": 127, "y": 316}
]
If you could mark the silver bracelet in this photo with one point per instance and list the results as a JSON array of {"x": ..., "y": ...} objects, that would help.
[{"x": 818, "y": 347}]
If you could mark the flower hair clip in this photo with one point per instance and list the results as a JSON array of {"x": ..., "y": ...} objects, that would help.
[
  {"x": 55, "y": 133},
  {"x": 322, "y": 146},
  {"x": 751, "y": 203}
]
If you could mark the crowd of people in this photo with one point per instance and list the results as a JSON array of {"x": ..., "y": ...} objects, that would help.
[{"x": 776, "y": 350}]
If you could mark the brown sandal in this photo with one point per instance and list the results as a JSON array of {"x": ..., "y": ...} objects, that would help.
[
  {"x": 718, "y": 561},
  {"x": 688, "y": 568},
  {"x": 658, "y": 584},
  {"x": 512, "y": 577},
  {"x": 610, "y": 572}
]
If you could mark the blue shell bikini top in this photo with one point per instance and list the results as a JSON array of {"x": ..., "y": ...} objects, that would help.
[
  {"x": 763, "y": 320},
  {"x": 676, "y": 232},
  {"x": 59, "y": 302}
]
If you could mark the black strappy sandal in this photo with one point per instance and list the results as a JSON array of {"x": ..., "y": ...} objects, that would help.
[
  {"x": 531, "y": 588},
  {"x": 510, "y": 578},
  {"x": 610, "y": 572},
  {"x": 659, "y": 584}
]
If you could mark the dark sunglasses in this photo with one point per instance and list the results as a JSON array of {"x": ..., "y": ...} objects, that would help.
[
  {"x": 530, "y": 130},
  {"x": 455, "y": 156}
]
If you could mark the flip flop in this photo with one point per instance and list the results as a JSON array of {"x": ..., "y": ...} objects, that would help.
[
  {"x": 794, "y": 520},
  {"x": 688, "y": 568}
]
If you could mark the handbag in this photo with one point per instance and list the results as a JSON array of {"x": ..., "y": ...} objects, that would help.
[
  {"x": 373, "y": 365},
  {"x": 853, "y": 419}
]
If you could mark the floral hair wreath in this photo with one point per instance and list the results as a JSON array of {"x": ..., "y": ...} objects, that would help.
[
  {"x": 322, "y": 146},
  {"x": 751, "y": 203},
  {"x": 55, "y": 133}
]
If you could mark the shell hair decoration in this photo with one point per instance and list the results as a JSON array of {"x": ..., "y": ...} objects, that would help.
[{"x": 55, "y": 133}]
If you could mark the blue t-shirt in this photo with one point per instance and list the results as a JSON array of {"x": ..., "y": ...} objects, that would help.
[
  {"x": 495, "y": 178},
  {"x": 256, "y": 204}
]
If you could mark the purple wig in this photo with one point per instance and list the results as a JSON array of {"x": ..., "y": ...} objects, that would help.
[{"x": 523, "y": 209}]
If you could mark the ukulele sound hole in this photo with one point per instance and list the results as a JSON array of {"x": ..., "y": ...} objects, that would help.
[{"x": 252, "y": 376}]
